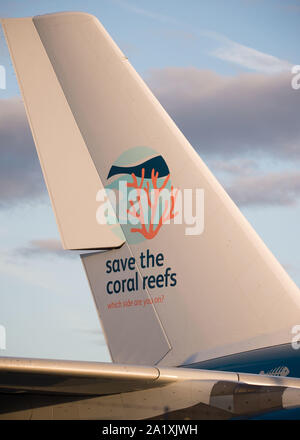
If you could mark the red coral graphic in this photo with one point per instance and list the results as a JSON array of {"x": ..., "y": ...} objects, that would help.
[{"x": 153, "y": 205}]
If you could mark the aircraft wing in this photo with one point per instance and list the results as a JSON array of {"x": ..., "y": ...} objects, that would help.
[{"x": 31, "y": 387}]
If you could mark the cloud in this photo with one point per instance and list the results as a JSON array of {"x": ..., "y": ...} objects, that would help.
[
  {"x": 145, "y": 12},
  {"x": 271, "y": 189},
  {"x": 229, "y": 116},
  {"x": 291, "y": 6},
  {"x": 247, "y": 185},
  {"x": 229, "y": 50},
  {"x": 20, "y": 174},
  {"x": 223, "y": 117},
  {"x": 239, "y": 167},
  {"x": 96, "y": 335},
  {"x": 49, "y": 247},
  {"x": 247, "y": 57}
]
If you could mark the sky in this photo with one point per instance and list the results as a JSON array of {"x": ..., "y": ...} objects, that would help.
[{"x": 222, "y": 70}]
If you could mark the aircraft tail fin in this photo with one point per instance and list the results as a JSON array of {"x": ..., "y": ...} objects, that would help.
[{"x": 193, "y": 280}]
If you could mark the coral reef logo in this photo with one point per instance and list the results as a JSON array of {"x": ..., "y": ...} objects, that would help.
[{"x": 141, "y": 193}]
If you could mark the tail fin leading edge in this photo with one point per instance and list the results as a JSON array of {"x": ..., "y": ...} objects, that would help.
[{"x": 71, "y": 177}]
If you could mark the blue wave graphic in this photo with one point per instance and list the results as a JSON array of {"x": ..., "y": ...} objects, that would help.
[{"x": 157, "y": 163}]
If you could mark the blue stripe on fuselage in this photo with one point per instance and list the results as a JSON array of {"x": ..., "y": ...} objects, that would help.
[{"x": 269, "y": 360}]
